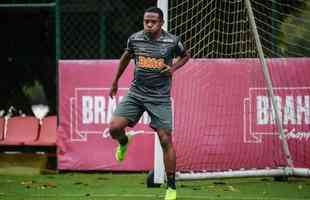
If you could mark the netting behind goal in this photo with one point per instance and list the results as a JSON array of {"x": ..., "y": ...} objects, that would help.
[
  {"x": 221, "y": 28},
  {"x": 212, "y": 29},
  {"x": 228, "y": 121}
]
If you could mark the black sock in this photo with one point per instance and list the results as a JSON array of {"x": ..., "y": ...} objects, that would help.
[
  {"x": 171, "y": 181},
  {"x": 123, "y": 141}
]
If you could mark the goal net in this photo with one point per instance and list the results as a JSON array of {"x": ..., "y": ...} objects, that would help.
[
  {"x": 245, "y": 108},
  {"x": 221, "y": 28}
]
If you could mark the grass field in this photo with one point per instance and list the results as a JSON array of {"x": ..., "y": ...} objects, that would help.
[{"x": 121, "y": 186}]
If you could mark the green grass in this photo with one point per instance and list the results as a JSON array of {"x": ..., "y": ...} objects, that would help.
[{"x": 121, "y": 186}]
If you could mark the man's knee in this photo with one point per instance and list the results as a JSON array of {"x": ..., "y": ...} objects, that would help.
[
  {"x": 117, "y": 127},
  {"x": 116, "y": 131}
]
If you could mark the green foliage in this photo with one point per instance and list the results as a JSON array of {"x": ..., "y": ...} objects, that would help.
[{"x": 295, "y": 37}]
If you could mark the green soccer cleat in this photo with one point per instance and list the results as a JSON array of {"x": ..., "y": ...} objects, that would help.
[
  {"x": 121, "y": 150},
  {"x": 171, "y": 194}
]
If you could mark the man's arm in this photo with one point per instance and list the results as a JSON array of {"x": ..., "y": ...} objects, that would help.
[
  {"x": 178, "y": 64},
  {"x": 123, "y": 63}
]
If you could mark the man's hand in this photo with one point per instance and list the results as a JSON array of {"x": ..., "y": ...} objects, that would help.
[
  {"x": 166, "y": 69},
  {"x": 113, "y": 90},
  {"x": 180, "y": 61}
]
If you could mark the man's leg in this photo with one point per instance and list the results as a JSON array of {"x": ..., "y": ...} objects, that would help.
[
  {"x": 127, "y": 113},
  {"x": 161, "y": 121},
  {"x": 169, "y": 161},
  {"x": 117, "y": 131}
]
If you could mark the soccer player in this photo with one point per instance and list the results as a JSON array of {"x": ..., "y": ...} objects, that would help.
[{"x": 153, "y": 50}]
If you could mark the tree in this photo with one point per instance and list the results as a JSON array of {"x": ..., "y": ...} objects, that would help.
[{"x": 295, "y": 33}]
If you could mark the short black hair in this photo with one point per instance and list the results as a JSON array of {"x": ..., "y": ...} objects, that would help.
[{"x": 155, "y": 10}]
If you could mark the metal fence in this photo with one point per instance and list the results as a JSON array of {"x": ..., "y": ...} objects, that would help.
[
  {"x": 37, "y": 33},
  {"x": 98, "y": 29}
]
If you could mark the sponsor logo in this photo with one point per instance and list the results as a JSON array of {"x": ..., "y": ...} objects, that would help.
[
  {"x": 150, "y": 63},
  {"x": 168, "y": 40},
  {"x": 293, "y": 105}
]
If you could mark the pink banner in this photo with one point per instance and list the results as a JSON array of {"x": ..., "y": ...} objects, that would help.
[
  {"x": 223, "y": 118},
  {"x": 85, "y": 110}
]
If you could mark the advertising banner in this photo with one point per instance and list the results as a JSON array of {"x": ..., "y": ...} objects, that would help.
[{"x": 223, "y": 116}]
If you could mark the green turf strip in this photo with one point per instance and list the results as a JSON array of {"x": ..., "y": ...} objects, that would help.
[{"x": 95, "y": 186}]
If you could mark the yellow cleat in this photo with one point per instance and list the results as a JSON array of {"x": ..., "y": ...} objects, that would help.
[
  {"x": 171, "y": 194},
  {"x": 122, "y": 150}
]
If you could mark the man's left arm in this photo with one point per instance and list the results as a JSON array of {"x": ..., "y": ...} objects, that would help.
[
  {"x": 183, "y": 57},
  {"x": 178, "y": 64}
]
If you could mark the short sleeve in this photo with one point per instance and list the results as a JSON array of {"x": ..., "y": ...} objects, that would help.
[
  {"x": 180, "y": 50},
  {"x": 129, "y": 46}
]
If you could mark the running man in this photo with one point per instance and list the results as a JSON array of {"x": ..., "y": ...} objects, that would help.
[{"x": 153, "y": 50}]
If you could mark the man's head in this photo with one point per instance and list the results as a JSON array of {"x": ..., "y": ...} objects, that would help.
[{"x": 153, "y": 20}]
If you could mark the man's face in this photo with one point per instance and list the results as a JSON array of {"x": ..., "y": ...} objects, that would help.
[{"x": 152, "y": 23}]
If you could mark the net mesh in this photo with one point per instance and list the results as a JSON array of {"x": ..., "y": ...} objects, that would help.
[
  {"x": 229, "y": 122},
  {"x": 212, "y": 29},
  {"x": 284, "y": 27},
  {"x": 221, "y": 29}
]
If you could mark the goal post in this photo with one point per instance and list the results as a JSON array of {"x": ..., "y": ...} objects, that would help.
[
  {"x": 159, "y": 168},
  {"x": 244, "y": 30},
  {"x": 163, "y": 4},
  {"x": 269, "y": 83}
]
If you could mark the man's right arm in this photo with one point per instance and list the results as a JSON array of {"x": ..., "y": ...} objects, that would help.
[{"x": 123, "y": 63}]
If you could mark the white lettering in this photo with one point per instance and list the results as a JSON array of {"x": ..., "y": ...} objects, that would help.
[
  {"x": 262, "y": 106},
  {"x": 278, "y": 102},
  {"x": 99, "y": 106},
  {"x": 297, "y": 135},
  {"x": 294, "y": 110},
  {"x": 111, "y": 107},
  {"x": 289, "y": 110},
  {"x": 87, "y": 114},
  {"x": 303, "y": 108}
]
